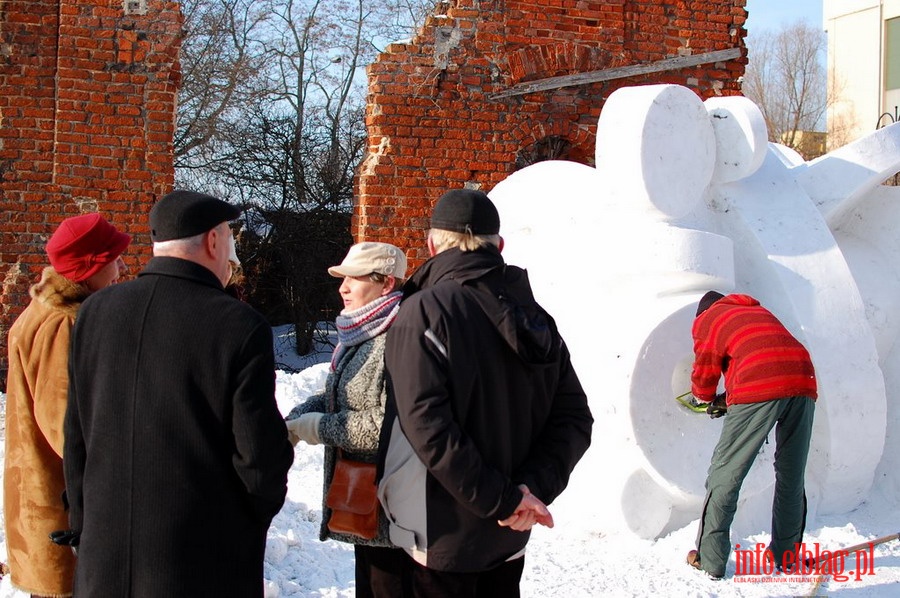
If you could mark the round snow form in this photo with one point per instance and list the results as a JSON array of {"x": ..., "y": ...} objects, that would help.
[{"x": 656, "y": 146}]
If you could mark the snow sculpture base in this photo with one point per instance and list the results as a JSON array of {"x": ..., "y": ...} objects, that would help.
[{"x": 687, "y": 197}]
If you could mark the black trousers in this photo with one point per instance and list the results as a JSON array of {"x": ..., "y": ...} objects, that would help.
[
  {"x": 499, "y": 582},
  {"x": 382, "y": 572}
]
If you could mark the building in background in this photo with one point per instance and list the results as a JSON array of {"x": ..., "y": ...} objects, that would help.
[
  {"x": 810, "y": 144},
  {"x": 863, "y": 66}
]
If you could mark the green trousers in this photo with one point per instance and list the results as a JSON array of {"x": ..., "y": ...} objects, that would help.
[{"x": 743, "y": 433}]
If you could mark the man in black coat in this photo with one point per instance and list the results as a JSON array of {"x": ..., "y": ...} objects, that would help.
[
  {"x": 486, "y": 419},
  {"x": 176, "y": 455}
]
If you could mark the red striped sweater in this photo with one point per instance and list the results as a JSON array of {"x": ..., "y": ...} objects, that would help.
[{"x": 760, "y": 359}]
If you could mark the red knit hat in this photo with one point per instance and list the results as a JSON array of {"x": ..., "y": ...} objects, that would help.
[{"x": 82, "y": 245}]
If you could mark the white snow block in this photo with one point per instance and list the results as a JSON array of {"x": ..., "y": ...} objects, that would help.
[
  {"x": 656, "y": 148},
  {"x": 741, "y": 137},
  {"x": 689, "y": 197}
]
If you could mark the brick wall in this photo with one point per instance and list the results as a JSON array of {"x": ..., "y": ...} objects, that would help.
[
  {"x": 88, "y": 92},
  {"x": 87, "y": 104},
  {"x": 435, "y": 121}
]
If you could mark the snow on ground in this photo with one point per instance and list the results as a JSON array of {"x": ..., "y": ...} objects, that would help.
[
  {"x": 566, "y": 562},
  {"x": 569, "y": 561}
]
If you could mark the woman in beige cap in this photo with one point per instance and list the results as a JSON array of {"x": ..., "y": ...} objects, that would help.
[{"x": 347, "y": 415}]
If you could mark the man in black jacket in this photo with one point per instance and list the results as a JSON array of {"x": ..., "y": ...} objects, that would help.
[
  {"x": 486, "y": 419},
  {"x": 175, "y": 455}
]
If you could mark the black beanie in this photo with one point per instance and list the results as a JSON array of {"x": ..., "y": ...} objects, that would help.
[
  {"x": 466, "y": 211},
  {"x": 182, "y": 214},
  {"x": 707, "y": 300}
]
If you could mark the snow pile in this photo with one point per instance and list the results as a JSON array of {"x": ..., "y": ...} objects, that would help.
[{"x": 568, "y": 561}]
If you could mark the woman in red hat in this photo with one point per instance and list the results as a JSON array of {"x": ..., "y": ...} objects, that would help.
[{"x": 85, "y": 256}]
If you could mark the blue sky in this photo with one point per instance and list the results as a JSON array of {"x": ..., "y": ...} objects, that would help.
[{"x": 772, "y": 14}]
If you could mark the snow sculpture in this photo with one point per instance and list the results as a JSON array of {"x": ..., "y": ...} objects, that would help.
[{"x": 689, "y": 196}]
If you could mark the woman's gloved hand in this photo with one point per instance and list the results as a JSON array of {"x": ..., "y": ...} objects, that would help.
[{"x": 305, "y": 428}]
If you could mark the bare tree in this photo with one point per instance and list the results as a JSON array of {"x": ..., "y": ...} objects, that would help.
[
  {"x": 227, "y": 63},
  {"x": 272, "y": 116},
  {"x": 409, "y": 15},
  {"x": 786, "y": 78},
  {"x": 220, "y": 65}
]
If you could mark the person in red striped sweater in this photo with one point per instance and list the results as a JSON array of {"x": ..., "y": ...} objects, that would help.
[{"x": 770, "y": 383}]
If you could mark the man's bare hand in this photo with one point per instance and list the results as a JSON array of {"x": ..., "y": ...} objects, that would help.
[{"x": 529, "y": 512}]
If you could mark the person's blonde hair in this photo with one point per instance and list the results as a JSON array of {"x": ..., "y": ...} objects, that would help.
[{"x": 448, "y": 239}]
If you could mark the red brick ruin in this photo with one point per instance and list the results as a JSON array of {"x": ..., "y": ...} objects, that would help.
[
  {"x": 87, "y": 103},
  {"x": 88, "y": 93},
  {"x": 491, "y": 86}
]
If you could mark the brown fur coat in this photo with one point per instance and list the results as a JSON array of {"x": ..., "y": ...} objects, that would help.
[{"x": 35, "y": 407}]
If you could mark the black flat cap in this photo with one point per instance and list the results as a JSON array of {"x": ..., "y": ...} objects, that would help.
[
  {"x": 182, "y": 214},
  {"x": 466, "y": 211},
  {"x": 707, "y": 300}
]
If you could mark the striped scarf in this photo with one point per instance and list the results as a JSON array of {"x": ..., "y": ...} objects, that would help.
[{"x": 359, "y": 325}]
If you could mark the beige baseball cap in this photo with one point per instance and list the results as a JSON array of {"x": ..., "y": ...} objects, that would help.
[{"x": 368, "y": 257}]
